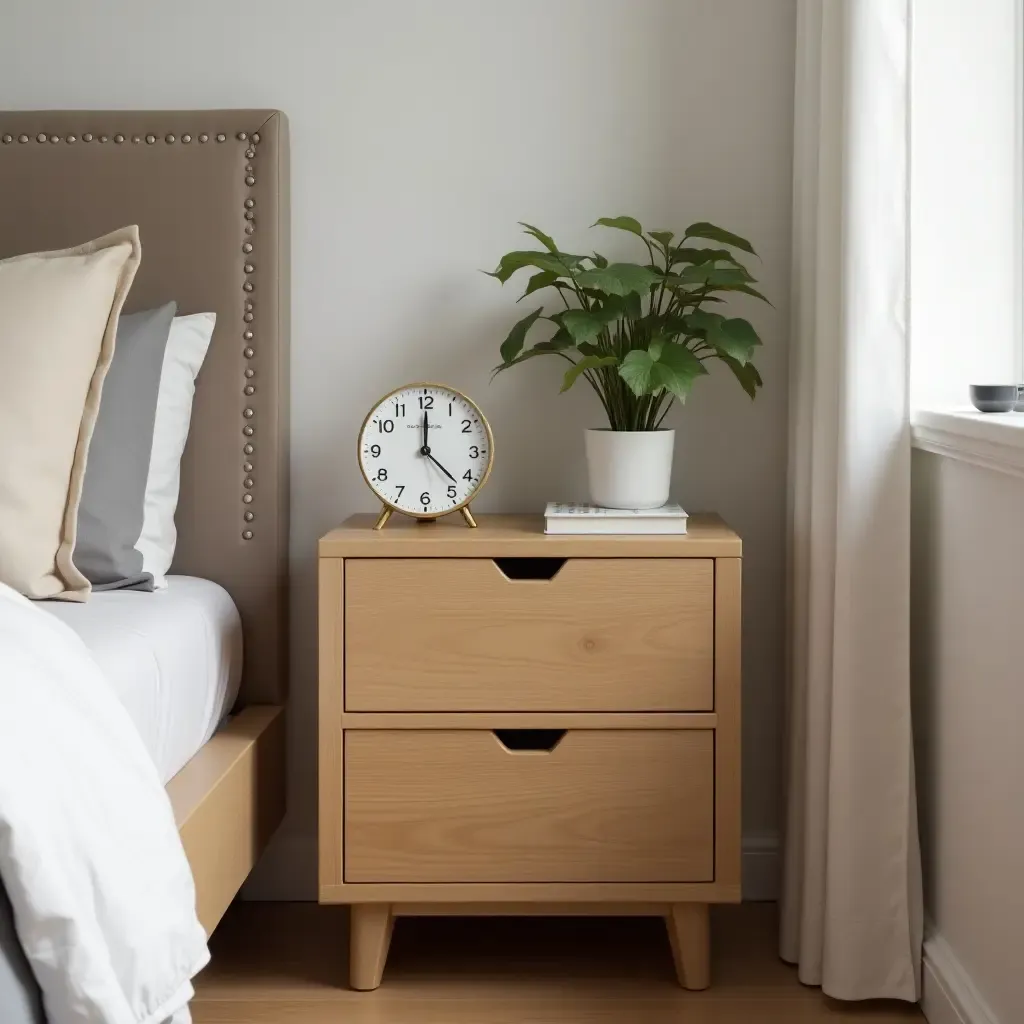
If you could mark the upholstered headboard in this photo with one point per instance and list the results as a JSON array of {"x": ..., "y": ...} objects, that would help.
[{"x": 209, "y": 191}]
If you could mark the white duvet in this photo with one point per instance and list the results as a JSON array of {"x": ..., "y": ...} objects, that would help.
[{"x": 104, "y": 901}]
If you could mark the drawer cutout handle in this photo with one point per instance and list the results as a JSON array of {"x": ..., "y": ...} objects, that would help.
[
  {"x": 529, "y": 568},
  {"x": 537, "y": 741}
]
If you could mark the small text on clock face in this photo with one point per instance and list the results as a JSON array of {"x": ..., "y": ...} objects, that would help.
[{"x": 425, "y": 450}]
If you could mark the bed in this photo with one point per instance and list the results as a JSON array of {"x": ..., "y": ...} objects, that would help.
[{"x": 209, "y": 191}]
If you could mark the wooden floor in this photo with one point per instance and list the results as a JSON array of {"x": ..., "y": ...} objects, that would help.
[{"x": 285, "y": 964}]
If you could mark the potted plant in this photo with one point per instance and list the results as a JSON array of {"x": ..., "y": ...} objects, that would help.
[{"x": 639, "y": 334}]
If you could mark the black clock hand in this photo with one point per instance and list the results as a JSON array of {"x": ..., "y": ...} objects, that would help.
[
  {"x": 426, "y": 440},
  {"x": 440, "y": 467}
]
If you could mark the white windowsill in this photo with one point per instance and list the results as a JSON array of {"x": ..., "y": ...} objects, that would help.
[{"x": 992, "y": 440}]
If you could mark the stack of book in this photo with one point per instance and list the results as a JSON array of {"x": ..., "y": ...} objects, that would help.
[{"x": 572, "y": 517}]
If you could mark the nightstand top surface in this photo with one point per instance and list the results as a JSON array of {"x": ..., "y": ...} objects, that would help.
[{"x": 506, "y": 536}]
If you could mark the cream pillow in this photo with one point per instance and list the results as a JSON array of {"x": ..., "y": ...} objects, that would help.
[{"x": 58, "y": 317}]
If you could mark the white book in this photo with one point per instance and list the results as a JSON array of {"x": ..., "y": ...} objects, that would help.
[{"x": 580, "y": 518}]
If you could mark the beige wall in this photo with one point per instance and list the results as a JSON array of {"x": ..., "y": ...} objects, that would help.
[
  {"x": 422, "y": 131},
  {"x": 968, "y": 618}
]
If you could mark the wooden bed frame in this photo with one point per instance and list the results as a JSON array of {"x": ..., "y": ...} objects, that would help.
[{"x": 209, "y": 191}]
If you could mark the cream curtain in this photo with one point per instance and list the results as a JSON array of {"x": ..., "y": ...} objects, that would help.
[{"x": 851, "y": 911}]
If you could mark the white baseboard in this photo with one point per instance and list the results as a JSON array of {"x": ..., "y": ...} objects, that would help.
[
  {"x": 948, "y": 995},
  {"x": 287, "y": 871}
]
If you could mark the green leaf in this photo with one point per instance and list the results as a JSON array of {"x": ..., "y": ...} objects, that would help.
[
  {"x": 513, "y": 261},
  {"x": 546, "y": 240},
  {"x": 588, "y": 363},
  {"x": 513, "y": 344},
  {"x": 664, "y": 237},
  {"x": 615, "y": 307},
  {"x": 747, "y": 290},
  {"x": 630, "y": 224},
  {"x": 738, "y": 339},
  {"x": 735, "y": 338},
  {"x": 582, "y": 324},
  {"x": 598, "y": 260},
  {"x": 716, "y": 234},
  {"x": 677, "y": 368},
  {"x": 636, "y": 371},
  {"x": 713, "y": 277},
  {"x": 664, "y": 365},
  {"x": 619, "y": 279},
  {"x": 558, "y": 342},
  {"x": 746, "y": 374},
  {"x": 545, "y": 279},
  {"x": 689, "y": 254}
]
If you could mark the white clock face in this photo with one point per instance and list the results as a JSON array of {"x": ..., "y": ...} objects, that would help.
[{"x": 425, "y": 450}]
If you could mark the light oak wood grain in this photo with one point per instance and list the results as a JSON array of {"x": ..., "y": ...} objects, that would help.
[
  {"x": 728, "y": 697},
  {"x": 443, "y": 806},
  {"x": 331, "y": 629},
  {"x": 285, "y": 964},
  {"x": 528, "y": 720},
  {"x": 517, "y": 536},
  {"x": 440, "y": 634},
  {"x": 433, "y": 834},
  {"x": 228, "y": 801},
  {"x": 370, "y": 928},
  {"x": 566, "y": 894},
  {"x": 690, "y": 938}
]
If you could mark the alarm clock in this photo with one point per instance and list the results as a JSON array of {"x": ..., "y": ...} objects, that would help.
[{"x": 425, "y": 450}]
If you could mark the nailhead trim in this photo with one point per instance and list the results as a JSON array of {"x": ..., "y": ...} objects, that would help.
[{"x": 248, "y": 285}]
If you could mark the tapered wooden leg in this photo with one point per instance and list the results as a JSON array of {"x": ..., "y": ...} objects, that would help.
[
  {"x": 369, "y": 938},
  {"x": 691, "y": 943},
  {"x": 385, "y": 515},
  {"x": 468, "y": 516}
]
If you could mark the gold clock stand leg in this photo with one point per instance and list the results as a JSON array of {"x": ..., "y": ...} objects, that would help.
[
  {"x": 385, "y": 515},
  {"x": 468, "y": 516}
]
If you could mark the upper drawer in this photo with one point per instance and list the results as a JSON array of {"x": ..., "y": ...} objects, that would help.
[{"x": 616, "y": 634}]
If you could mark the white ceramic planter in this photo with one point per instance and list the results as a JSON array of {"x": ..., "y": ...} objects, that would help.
[{"x": 630, "y": 468}]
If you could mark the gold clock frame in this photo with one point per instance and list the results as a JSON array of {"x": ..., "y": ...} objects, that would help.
[{"x": 425, "y": 517}]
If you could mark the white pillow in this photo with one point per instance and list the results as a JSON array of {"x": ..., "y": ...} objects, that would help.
[{"x": 187, "y": 346}]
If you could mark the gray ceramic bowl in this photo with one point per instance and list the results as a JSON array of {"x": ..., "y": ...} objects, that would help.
[{"x": 996, "y": 397}]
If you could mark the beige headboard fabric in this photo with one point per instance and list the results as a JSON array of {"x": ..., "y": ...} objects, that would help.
[{"x": 209, "y": 192}]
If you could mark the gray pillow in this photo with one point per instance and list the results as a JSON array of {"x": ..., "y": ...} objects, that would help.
[{"x": 110, "y": 513}]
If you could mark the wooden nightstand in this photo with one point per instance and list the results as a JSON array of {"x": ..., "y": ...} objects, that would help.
[{"x": 518, "y": 724}]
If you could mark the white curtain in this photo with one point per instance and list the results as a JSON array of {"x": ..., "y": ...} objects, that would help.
[{"x": 851, "y": 913}]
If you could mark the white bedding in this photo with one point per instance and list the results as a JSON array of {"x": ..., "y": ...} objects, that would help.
[
  {"x": 90, "y": 857},
  {"x": 173, "y": 657}
]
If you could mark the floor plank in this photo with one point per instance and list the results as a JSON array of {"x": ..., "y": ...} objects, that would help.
[{"x": 285, "y": 964}]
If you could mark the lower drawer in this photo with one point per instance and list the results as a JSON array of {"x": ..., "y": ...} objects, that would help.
[{"x": 470, "y": 806}]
